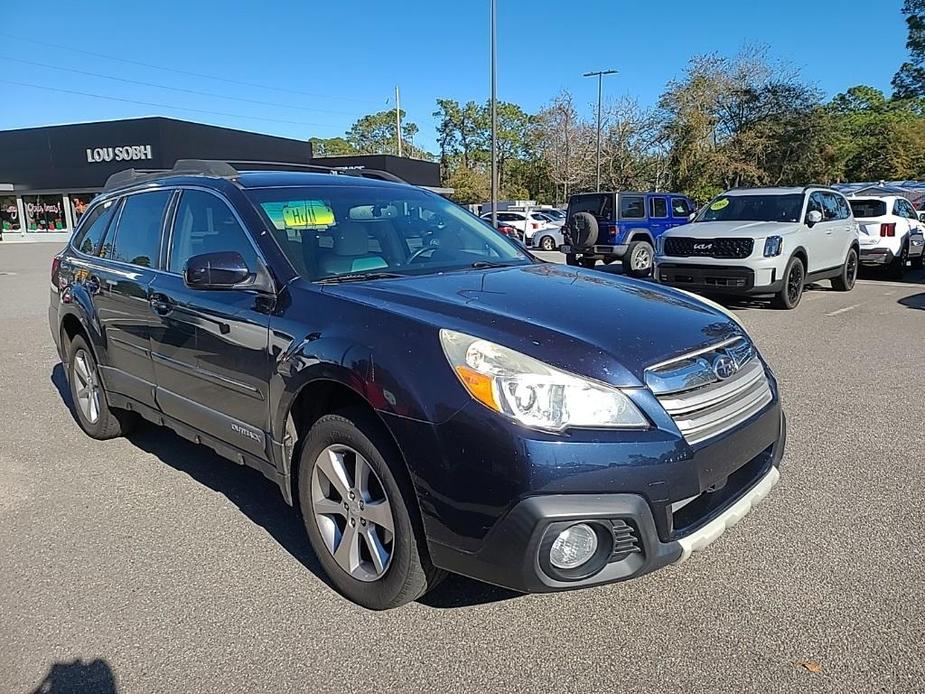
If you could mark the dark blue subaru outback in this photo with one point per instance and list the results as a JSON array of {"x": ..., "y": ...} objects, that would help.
[{"x": 366, "y": 345}]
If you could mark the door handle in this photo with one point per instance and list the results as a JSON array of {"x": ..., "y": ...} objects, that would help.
[{"x": 160, "y": 303}]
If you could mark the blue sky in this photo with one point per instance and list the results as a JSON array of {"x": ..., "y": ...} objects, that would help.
[{"x": 327, "y": 63}]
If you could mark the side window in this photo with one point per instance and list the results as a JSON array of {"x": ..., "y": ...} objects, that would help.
[
  {"x": 94, "y": 228},
  {"x": 908, "y": 210},
  {"x": 898, "y": 208},
  {"x": 138, "y": 231},
  {"x": 658, "y": 207},
  {"x": 587, "y": 203},
  {"x": 844, "y": 209},
  {"x": 679, "y": 207},
  {"x": 815, "y": 204},
  {"x": 632, "y": 207},
  {"x": 830, "y": 207},
  {"x": 205, "y": 224}
]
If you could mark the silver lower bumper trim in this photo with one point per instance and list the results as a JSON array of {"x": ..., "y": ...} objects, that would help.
[{"x": 711, "y": 532}]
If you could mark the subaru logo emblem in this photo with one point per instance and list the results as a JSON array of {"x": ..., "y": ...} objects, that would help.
[{"x": 724, "y": 366}]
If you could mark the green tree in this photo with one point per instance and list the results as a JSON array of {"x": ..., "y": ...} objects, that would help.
[
  {"x": 375, "y": 134},
  {"x": 331, "y": 147},
  {"x": 909, "y": 81}
]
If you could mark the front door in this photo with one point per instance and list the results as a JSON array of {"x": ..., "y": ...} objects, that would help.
[
  {"x": 820, "y": 238},
  {"x": 210, "y": 351}
]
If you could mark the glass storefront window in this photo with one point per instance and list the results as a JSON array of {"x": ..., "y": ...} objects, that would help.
[
  {"x": 9, "y": 214},
  {"x": 79, "y": 204},
  {"x": 44, "y": 212}
]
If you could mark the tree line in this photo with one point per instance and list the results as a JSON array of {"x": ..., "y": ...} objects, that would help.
[{"x": 741, "y": 120}]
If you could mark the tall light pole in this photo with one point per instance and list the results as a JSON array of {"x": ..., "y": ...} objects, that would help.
[
  {"x": 494, "y": 115},
  {"x": 398, "y": 119},
  {"x": 600, "y": 93}
]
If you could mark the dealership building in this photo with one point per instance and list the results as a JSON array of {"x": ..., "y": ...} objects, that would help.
[{"x": 48, "y": 175}]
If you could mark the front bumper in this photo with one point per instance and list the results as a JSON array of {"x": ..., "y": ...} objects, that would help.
[
  {"x": 719, "y": 279},
  {"x": 499, "y": 491}
]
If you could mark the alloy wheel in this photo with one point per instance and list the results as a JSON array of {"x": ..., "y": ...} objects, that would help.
[
  {"x": 87, "y": 388},
  {"x": 353, "y": 513},
  {"x": 851, "y": 272},
  {"x": 795, "y": 283},
  {"x": 547, "y": 244},
  {"x": 641, "y": 259}
]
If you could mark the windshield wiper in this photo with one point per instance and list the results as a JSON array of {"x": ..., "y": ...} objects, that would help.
[
  {"x": 359, "y": 277},
  {"x": 485, "y": 264}
]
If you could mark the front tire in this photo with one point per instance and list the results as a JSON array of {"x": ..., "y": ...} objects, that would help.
[
  {"x": 91, "y": 405},
  {"x": 546, "y": 243},
  {"x": 849, "y": 273},
  {"x": 637, "y": 261},
  {"x": 790, "y": 294},
  {"x": 357, "y": 506}
]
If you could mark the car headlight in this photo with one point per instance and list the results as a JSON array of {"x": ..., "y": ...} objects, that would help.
[
  {"x": 533, "y": 393},
  {"x": 773, "y": 246}
]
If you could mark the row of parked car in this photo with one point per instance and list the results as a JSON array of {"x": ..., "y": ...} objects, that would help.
[{"x": 765, "y": 242}]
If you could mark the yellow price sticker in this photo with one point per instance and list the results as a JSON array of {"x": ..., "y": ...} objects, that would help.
[{"x": 720, "y": 204}]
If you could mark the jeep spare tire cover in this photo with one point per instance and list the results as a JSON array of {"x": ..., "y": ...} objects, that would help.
[{"x": 584, "y": 229}]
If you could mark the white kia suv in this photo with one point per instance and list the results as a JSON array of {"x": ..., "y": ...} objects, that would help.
[
  {"x": 763, "y": 241},
  {"x": 891, "y": 233}
]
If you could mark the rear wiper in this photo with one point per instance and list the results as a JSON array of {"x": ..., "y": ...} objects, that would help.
[{"x": 359, "y": 277}]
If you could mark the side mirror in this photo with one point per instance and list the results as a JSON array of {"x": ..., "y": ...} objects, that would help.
[
  {"x": 813, "y": 217},
  {"x": 223, "y": 270}
]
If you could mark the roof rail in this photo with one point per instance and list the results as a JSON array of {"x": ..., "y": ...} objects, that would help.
[{"x": 229, "y": 169}]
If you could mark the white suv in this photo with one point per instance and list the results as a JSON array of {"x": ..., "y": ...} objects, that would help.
[
  {"x": 891, "y": 232},
  {"x": 763, "y": 241}
]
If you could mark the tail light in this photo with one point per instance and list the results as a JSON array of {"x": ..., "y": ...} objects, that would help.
[
  {"x": 534, "y": 225},
  {"x": 888, "y": 229},
  {"x": 55, "y": 267}
]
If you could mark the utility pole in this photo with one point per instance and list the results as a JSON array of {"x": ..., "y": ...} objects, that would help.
[
  {"x": 494, "y": 115},
  {"x": 600, "y": 93},
  {"x": 398, "y": 119}
]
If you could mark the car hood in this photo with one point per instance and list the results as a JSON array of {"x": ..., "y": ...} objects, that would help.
[
  {"x": 710, "y": 230},
  {"x": 602, "y": 326}
]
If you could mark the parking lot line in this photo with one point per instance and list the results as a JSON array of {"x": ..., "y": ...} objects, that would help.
[{"x": 843, "y": 310}]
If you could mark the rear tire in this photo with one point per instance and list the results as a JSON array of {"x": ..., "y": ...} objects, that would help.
[
  {"x": 918, "y": 263},
  {"x": 375, "y": 515},
  {"x": 91, "y": 404},
  {"x": 790, "y": 294},
  {"x": 571, "y": 259},
  {"x": 849, "y": 273},
  {"x": 637, "y": 261},
  {"x": 588, "y": 263}
]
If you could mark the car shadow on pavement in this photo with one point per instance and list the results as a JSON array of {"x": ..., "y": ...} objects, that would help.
[
  {"x": 260, "y": 500},
  {"x": 916, "y": 301},
  {"x": 78, "y": 676}
]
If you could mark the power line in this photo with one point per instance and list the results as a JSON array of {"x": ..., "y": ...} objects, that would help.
[
  {"x": 189, "y": 73},
  {"x": 211, "y": 95},
  {"x": 157, "y": 105}
]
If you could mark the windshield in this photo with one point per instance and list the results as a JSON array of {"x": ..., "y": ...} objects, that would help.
[
  {"x": 753, "y": 208},
  {"x": 340, "y": 230}
]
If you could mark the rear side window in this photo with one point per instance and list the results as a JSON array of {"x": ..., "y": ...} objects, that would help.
[
  {"x": 205, "y": 224},
  {"x": 587, "y": 203},
  {"x": 94, "y": 228},
  {"x": 658, "y": 207},
  {"x": 138, "y": 231},
  {"x": 868, "y": 208},
  {"x": 632, "y": 207}
]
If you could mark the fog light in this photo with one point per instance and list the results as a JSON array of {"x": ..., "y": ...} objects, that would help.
[{"x": 574, "y": 546}]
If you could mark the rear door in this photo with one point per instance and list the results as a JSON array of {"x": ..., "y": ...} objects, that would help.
[
  {"x": 130, "y": 255},
  {"x": 209, "y": 347}
]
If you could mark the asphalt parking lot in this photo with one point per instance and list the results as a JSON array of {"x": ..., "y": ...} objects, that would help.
[{"x": 150, "y": 564}]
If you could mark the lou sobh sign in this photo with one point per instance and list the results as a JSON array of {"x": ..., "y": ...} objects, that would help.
[{"x": 127, "y": 153}]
